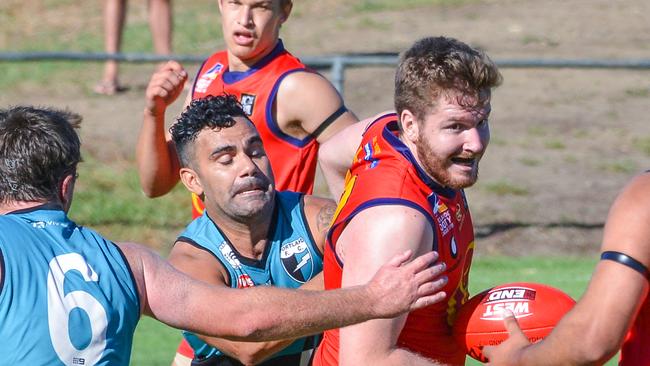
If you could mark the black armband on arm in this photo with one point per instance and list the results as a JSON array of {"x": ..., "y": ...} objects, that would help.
[
  {"x": 626, "y": 260},
  {"x": 328, "y": 121}
]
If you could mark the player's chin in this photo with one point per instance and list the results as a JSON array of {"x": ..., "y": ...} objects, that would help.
[
  {"x": 464, "y": 179},
  {"x": 243, "y": 51}
]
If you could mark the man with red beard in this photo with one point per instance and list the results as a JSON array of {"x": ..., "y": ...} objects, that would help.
[{"x": 404, "y": 190}]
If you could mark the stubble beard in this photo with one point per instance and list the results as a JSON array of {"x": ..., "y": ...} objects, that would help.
[{"x": 438, "y": 168}]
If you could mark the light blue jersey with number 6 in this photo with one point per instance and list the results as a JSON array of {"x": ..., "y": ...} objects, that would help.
[{"x": 67, "y": 295}]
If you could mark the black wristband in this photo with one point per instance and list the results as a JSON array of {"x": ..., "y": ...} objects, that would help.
[{"x": 626, "y": 260}]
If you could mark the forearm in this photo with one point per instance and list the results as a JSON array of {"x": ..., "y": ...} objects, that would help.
[
  {"x": 575, "y": 343},
  {"x": 311, "y": 312},
  {"x": 156, "y": 157},
  {"x": 248, "y": 353},
  {"x": 392, "y": 357}
]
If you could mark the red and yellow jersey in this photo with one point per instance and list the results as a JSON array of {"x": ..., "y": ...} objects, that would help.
[
  {"x": 293, "y": 160},
  {"x": 384, "y": 172},
  {"x": 636, "y": 349}
]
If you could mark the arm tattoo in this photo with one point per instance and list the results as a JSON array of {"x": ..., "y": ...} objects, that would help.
[{"x": 325, "y": 216}]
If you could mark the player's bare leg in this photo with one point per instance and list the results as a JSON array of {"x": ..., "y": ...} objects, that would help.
[{"x": 114, "y": 16}]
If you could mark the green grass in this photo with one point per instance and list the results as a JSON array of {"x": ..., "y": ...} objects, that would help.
[
  {"x": 643, "y": 144},
  {"x": 197, "y": 31},
  {"x": 503, "y": 188},
  {"x": 155, "y": 343},
  {"x": 554, "y": 145},
  {"x": 384, "y": 5},
  {"x": 108, "y": 198},
  {"x": 620, "y": 166},
  {"x": 528, "y": 161}
]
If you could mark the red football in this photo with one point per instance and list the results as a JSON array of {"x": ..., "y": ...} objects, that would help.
[{"x": 537, "y": 308}]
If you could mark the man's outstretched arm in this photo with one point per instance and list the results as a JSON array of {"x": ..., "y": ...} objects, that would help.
[{"x": 259, "y": 313}]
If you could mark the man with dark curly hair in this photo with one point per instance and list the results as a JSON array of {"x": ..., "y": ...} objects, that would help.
[{"x": 250, "y": 234}]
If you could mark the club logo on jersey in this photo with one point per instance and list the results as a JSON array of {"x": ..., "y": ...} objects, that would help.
[
  {"x": 206, "y": 79},
  {"x": 460, "y": 217},
  {"x": 244, "y": 281},
  {"x": 515, "y": 299},
  {"x": 369, "y": 152},
  {"x": 247, "y": 103},
  {"x": 297, "y": 260},
  {"x": 230, "y": 255}
]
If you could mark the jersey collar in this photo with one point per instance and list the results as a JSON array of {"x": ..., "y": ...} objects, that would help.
[{"x": 231, "y": 77}]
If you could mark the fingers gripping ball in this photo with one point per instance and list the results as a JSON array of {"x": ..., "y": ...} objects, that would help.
[{"x": 536, "y": 307}]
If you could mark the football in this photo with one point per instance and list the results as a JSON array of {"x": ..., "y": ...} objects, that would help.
[{"x": 537, "y": 308}]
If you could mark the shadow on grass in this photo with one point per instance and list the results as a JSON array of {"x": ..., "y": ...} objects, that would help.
[{"x": 485, "y": 231}]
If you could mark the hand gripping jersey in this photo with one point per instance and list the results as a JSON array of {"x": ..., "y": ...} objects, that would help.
[
  {"x": 293, "y": 160},
  {"x": 290, "y": 259},
  {"x": 384, "y": 172},
  {"x": 67, "y": 295}
]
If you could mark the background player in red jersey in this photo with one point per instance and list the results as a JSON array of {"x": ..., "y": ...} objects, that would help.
[
  {"x": 404, "y": 190},
  {"x": 614, "y": 310},
  {"x": 293, "y": 108}
]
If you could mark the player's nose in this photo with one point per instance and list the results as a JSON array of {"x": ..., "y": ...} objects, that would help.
[{"x": 476, "y": 140}]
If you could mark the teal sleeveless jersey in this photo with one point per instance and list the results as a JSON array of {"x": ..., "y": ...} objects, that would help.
[
  {"x": 67, "y": 295},
  {"x": 290, "y": 259}
]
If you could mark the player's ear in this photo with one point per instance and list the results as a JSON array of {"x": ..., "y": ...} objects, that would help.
[
  {"x": 410, "y": 125},
  {"x": 191, "y": 181},
  {"x": 66, "y": 190},
  {"x": 285, "y": 9}
]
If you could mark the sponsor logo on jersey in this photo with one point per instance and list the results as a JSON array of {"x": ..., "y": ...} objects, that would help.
[
  {"x": 297, "y": 260},
  {"x": 206, "y": 79},
  {"x": 229, "y": 255},
  {"x": 441, "y": 213},
  {"x": 43, "y": 224},
  {"x": 515, "y": 299},
  {"x": 247, "y": 103},
  {"x": 444, "y": 222},
  {"x": 244, "y": 281}
]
